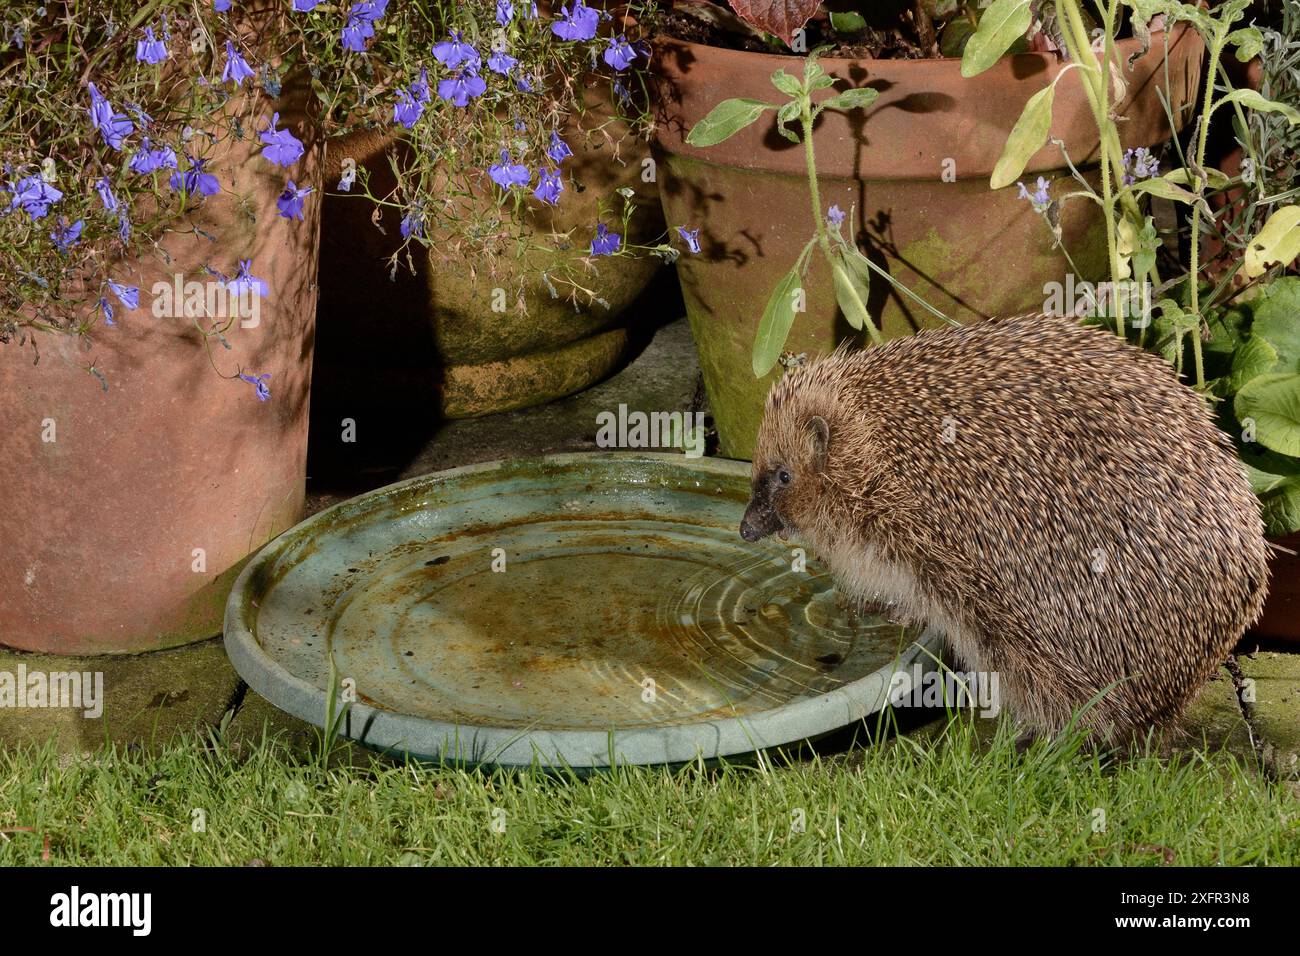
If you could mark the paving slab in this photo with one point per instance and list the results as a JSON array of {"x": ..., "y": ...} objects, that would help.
[
  {"x": 1271, "y": 691},
  {"x": 1215, "y": 722},
  {"x": 146, "y": 699}
]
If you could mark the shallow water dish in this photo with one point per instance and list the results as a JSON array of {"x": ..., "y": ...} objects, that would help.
[{"x": 566, "y": 610}]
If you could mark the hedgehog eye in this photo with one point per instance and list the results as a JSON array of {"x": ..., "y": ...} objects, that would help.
[{"x": 783, "y": 476}]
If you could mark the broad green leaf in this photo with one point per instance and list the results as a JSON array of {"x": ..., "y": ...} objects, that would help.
[
  {"x": 1278, "y": 243},
  {"x": 1249, "y": 42},
  {"x": 1281, "y": 509},
  {"x": 774, "y": 327},
  {"x": 1253, "y": 100},
  {"x": 1027, "y": 137},
  {"x": 851, "y": 293},
  {"x": 1254, "y": 358},
  {"x": 1277, "y": 319},
  {"x": 1273, "y": 401},
  {"x": 1002, "y": 24},
  {"x": 1276, "y": 480},
  {"x": 851, "y": 99},
  {"x": 726, "y": 120},
  {"x": 787, "y": 84}
]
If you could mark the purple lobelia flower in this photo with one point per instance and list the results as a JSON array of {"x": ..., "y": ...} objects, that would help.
[
  {"x": 355, "y": 34},
  {"x": 348, "y": 177},
  {"x": 221, "y": 6},
  {"x": 501, "y": 62},
  {"x": 835, "y": 215},
  {"x": 410, "y": 102},
  {"x": 105, "y": 190},
  {"x": 107, "y": 308},
  {"x": 506, "y": 174},
  {"x": 691, "y": 237},
  {"x": 620, "y": 54},
  {"x": 123, "y": 225},
  {"x": 549, "y": 186},
  {"x": 114, "y": 127},
  {"x": 462, "y": 87},
  {"x": 65, "y": 237},
  {"x": 454, "y": 52},
  {"x": 34, "y": 196},
  {"x": 576, "y": 23},
  {"x": 147, "y": 160},
  {"x": 150, "y": 50},
  {"x": 290, "y": 201},
  {"x": 282, "y": 147},
  {"x": 420, "y": 88},
  {"x": 559, "y": 149},
  {"x": 360, "y": 25},
  {"x": 236, "y": 68},
  {"x": 245, "y": 282},
  {"x": 524, "y": 84},
  {"x": 128, "y": 295},
  {"x": 261, "y": 389},
  {"x": 1040, "y": 198},
  {"x": 304, "y": 6},
  {"x": 505, "y": 11},
  {"x": 407, "y": 109},
  {"x": 195, "y": 180},
  {"x": 605, "y": 243}
]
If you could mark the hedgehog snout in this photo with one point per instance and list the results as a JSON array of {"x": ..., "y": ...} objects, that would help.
[{"x": 760, "y": 520}]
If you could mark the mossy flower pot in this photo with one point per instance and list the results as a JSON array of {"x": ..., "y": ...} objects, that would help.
[
  {"x": 485, "y": 334},
  {"x": 131, "y": 505},
  {"x": 914, "y": 169}
]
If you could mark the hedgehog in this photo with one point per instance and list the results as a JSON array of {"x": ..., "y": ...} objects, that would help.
[{"x": 1049, "y": 498}]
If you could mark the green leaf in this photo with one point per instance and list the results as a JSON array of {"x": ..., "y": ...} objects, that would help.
[
  {"x": 1277, "y": 319},
  {"x": 1253, "y": 100},
  {"x": 1273, "y": 401},
  {"x": 1281, "y": 509},
  {"x": 1254, "y": 358},
  {"x": 786, "y": 83},
  {"x": 1278, "y": 243},
  {"x": 1276, "y": 480},
  {"x": 774, "y": 327},
  {"x": 857, "y": 98},
  {"x": 1162, "y": 187},
  {"x": 1027, "y": 137},
  {"x": 726, "y": 120},
  {"x": 786, "y": 114},
  {"x": 1002, "y": 24},
  {"x": 1249, "y": 42},
  {"x": 1182, "y": 176},
  {"x": 851, "y": 291},
  {"x": 848, "y": 22}
]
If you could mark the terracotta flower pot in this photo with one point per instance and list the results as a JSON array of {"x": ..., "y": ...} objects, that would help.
[
  {"x": 915, "y": 170},
  {"x": 486, "y": 360},
  {"x": 1281, "y": 618},
  {"x": 129, "y": 512}
]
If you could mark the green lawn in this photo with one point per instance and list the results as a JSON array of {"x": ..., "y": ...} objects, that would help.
[{"x": 941, "y": 798}]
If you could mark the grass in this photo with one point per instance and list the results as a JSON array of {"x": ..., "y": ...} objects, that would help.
[{"x": 949, "y": 798}]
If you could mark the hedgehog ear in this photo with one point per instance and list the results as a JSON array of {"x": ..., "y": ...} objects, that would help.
[{"x": 819, "y": 437}]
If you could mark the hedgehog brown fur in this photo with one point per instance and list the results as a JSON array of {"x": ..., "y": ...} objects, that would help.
[{"x": 1048, "y": 497}]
